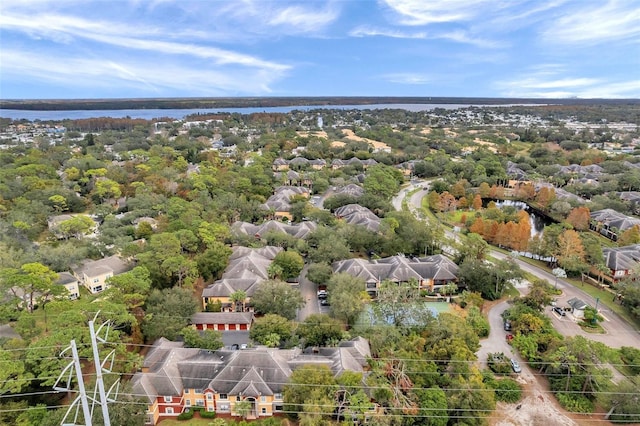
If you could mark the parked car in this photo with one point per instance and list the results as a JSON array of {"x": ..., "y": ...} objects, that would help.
[
  {"x": 322, "y": 294},
  {"x": 515, "y": 366},
  {"x": 509, "y": 338},
  {"x": 559, "y": 311},
  {"x": 507, "y": 325},
  {"x": 324, "y": 302}
]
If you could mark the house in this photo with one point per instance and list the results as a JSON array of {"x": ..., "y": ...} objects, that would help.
[
  {"x": 300, "y": 230},
  {"x": 246, "y": 270},
  {"x": 93, "y": 274},
  {"x": 280, "y": 202},
  {"x": 174, "y": 378},
  {"x": 621, "y": 261},
  {"x": 71, "y": 283},
  {"x": 222, "y": 321},
  {"x": 429, "y": 273},
  {"x": 356, "y": 214},
  {"x": 577, "y": 307},
  {"x": 352, "y": 190},
  {"x": 611, "y": 223}
]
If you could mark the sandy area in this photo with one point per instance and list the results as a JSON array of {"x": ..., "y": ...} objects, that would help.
[
  {"x": 377, "y": 145},
  {"x": 319, "y": 133}
]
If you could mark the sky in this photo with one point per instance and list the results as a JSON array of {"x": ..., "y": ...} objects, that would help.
[{"x": 71, "y": 49}]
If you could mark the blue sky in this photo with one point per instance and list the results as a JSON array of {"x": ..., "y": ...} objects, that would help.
[{"x": 176, "y": 48}]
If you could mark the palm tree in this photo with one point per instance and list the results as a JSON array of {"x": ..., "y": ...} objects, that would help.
[{"x": 238, "y": 297}]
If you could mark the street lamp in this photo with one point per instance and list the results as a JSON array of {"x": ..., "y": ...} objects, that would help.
[{"x": 559, "y": 273}]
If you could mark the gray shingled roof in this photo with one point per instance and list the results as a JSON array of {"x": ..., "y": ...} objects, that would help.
[
  {"x": 400, "y": 268},
  {"x": 222, "y": 318},
  {"x": 169, "y": 368}
]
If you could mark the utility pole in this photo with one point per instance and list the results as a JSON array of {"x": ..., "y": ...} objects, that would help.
[
  {"x": 99, "y": 382},
  {"x": 82, "y": 396},
  {"x": 104, "y": 398}
]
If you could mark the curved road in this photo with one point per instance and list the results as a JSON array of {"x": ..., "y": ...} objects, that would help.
[{"x": 618, "y": 331}]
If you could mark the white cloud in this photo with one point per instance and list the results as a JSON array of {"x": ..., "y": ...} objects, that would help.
[
  {"x": 367, "y": 31},
  {"x": 545, "y": 83},
  {"x": 157, "y": 78},
  {"x": 303, "y": 19},
  {"x": 614, "y": 20},
  {"x": 65, "y": 29},
  {"x": 407, "y": 78},
  {"x": 424, "y": 12}
]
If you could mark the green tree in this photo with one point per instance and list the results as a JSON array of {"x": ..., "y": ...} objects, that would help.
[
  {"x": 347, "y": 297},
  {"x": 265, "y": 328},
  {"x": 277, "y": 297},
  {"x": 76, "y": 227},
  {"x": 383, "y": 181},
  {"x": 130, "y": 288},
  {"x": 208, "y": 339},
  {"x": 213, "y": 260},
  {"x": 31, "y": 284},
  {"x": 290, "y": 262},
  {"x": 167, "y": 313},
  {"x": 311, "y": 389},
  {"x": 238, "y": 298},
  {"x": 319, "y": 273},
  {"x": 320, "y": 330}
]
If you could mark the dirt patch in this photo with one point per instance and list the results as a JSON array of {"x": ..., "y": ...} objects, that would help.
[
  {"x": 317, "y": 133},
  {"x": 377, "y": 145}
]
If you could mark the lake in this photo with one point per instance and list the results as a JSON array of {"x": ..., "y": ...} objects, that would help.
[
  {"x": 149, "y": 114},
  {"x": 537, "y": 221}
]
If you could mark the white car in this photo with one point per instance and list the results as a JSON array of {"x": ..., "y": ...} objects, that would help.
[{"x": 515, "y": 366}]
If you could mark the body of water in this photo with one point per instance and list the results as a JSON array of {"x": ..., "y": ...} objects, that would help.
[
  {"x": 537, "y": 221},
  {"x": 149, "y": 114}
]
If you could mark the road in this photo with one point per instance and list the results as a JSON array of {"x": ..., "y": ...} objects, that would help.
[
  {"x": 308, "y": 290},
  {"x": 618, "y": 331}
]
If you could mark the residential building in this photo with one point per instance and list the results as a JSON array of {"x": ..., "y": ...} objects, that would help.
[
  {"x": 611, "y": 223},
  {"x": 246, "y": 270},
  {"x": 621, "y": 261},
  {"x": 429, "y": 273},
  {"x": 93, "y": 274},
  {"x": 174, "y": 378},
  {"x": 222, "y": 321},
  {"x": 71, "y": 283}
]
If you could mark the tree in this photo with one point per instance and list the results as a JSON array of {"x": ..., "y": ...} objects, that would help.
[
  {"x": 213, "y": 260},
  {"x": 347, "y": 297},
  {"x": 277, "y": 297},
  {"x": 383, "y": 181},
  {"x": 539, "y": 295},
  {"x": 58, "y": 202},
  {"x": 320, "y": 330},
  {"x": 76, "y": 227},
  {"x": 238, "y": 298},
  {"x": 130, "y": 288},
  {"x": 311, "y": 389},
  {"x": 570, "y": 252},
  {"x": 167, "y": 312},
  {"x": 394, "y": 300},
  {"x": 242, "y": 408},
  {"x": 290, "y": 262},
  {"x": 31, "y": 284},
  {"x": 319, "y": 273},
  {"x": 107, "y": 188},
  {"x": 208, "y": 339},
  {"x": 265, "y": 328},
  {"x": 579, "y": 218}
]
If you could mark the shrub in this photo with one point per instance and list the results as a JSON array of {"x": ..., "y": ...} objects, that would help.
[
  {"x": 498, "y": 363},
  {"x": 507, "y": 390},
  {"x": 575, "y": 402},
  {"x": 208, "y": 414},
  {"x": 631, "y": 357},
  {"x": 186, "y": 415}
]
